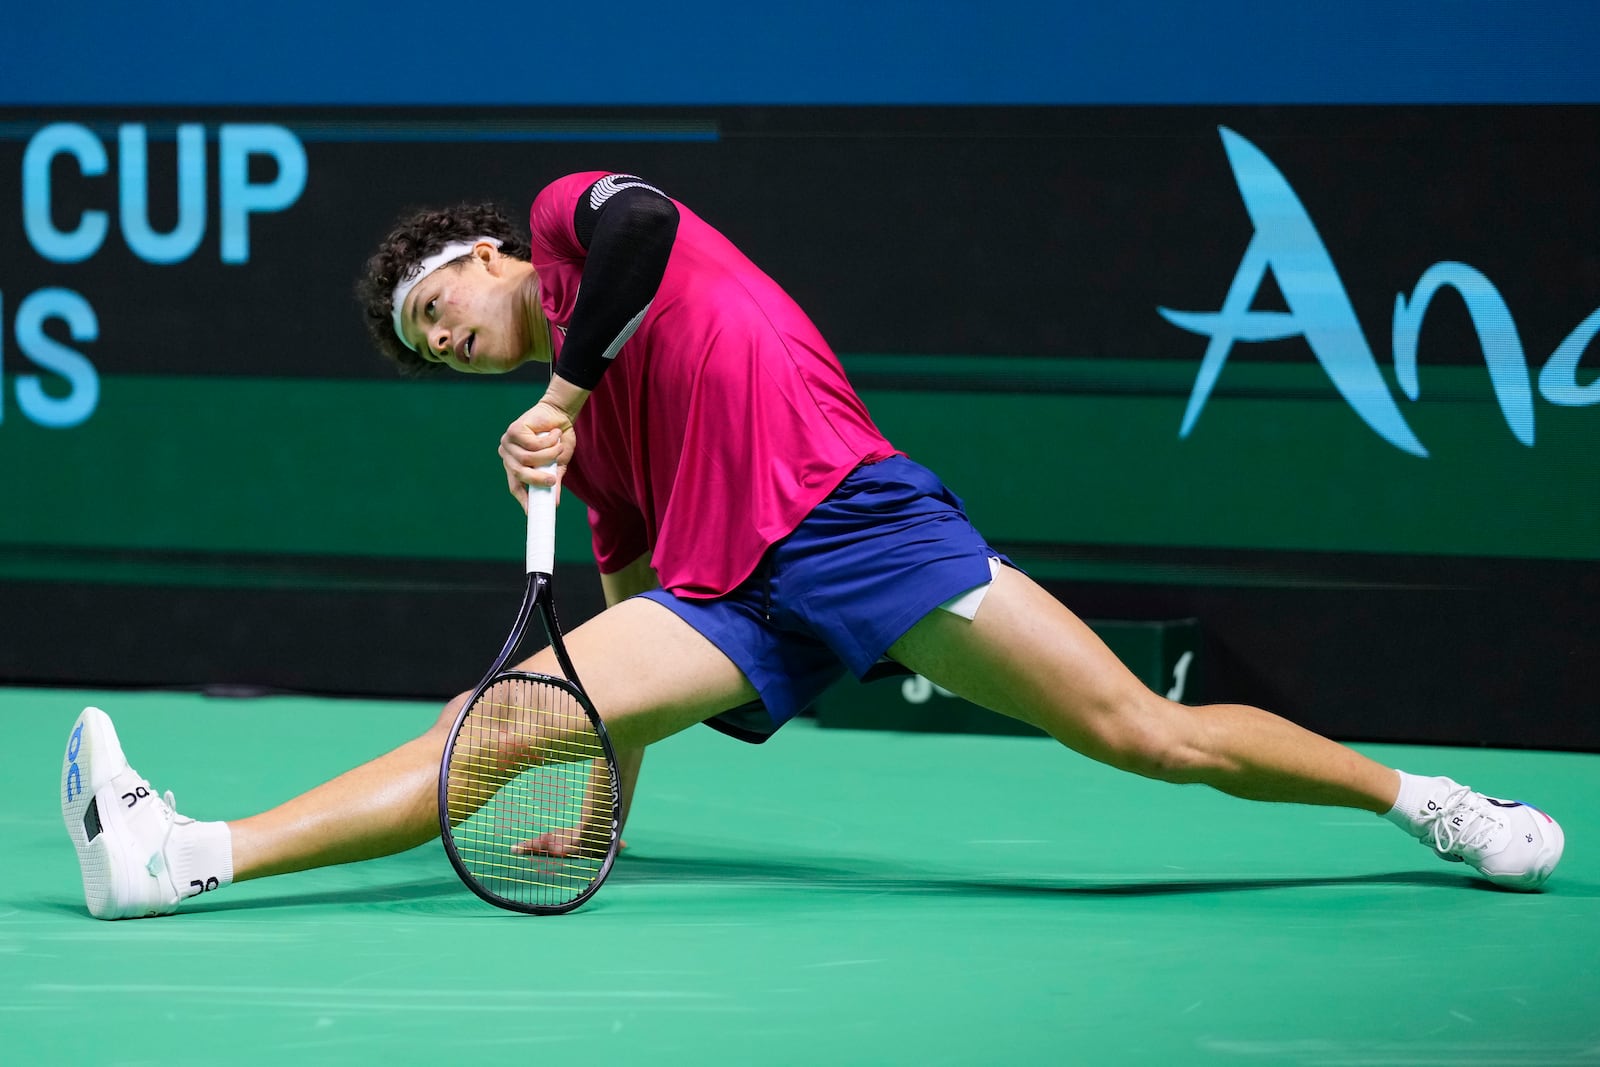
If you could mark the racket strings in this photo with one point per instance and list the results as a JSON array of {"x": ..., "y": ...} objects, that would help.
[{"x": 531, "y": 799}]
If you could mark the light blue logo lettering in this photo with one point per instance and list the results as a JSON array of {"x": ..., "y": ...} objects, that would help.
[
  {"x": 239, "y": 197},
  {"x": 83, "y": 391},
  {"x": 133, "y": 167},
  {"x": 1558, "y": 382},
  {"x": 1286, "y": 242},
  {"x": 74, "y": 776},
  {"x": 1497, "y": 338},
  {"x": 73, "y": 246}
]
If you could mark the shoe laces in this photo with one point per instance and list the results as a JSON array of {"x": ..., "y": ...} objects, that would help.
[
  {"x": 1464, "y": 822},
  {"x": 157, "y": 864}
]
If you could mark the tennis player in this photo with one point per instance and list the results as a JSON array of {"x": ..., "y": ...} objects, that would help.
[{"x": 757, "y": 537}]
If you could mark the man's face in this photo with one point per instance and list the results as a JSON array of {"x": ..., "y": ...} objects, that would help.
[{"x": 470, "y": 315}]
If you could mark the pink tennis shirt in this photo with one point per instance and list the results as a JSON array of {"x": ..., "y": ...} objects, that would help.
[{"x": 724, "y": 420}]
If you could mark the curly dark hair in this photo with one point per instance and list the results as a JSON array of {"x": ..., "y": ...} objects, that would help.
[{"x": 417, "y": 236}]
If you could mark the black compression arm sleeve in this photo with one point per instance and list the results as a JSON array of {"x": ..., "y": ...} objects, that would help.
[{"x": 628, "y": 228}]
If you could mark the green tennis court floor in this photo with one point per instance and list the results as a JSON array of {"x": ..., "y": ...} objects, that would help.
[{"x": 831, "y": 897}]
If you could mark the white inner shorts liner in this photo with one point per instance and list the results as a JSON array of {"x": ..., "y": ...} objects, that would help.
[{"x": 966, "y": 604}]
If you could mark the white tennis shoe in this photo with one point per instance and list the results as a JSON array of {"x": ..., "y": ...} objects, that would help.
[
  {"x": 1512, "y": 844},
  {"x": 121, "y": 828}
]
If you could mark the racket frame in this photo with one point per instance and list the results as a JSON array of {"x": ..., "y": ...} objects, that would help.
[{"x": 536, "y": 599}]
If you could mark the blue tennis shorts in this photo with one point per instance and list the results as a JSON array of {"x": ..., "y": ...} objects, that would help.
[{"x": 885, "y": 548}]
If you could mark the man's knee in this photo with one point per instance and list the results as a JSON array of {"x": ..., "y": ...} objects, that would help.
[
  {"x": 447, "y": 715},
  {"x": 1153, "y": 737}
]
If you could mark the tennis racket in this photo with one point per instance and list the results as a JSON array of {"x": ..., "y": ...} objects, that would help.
[{"x": 528, "y": 785}]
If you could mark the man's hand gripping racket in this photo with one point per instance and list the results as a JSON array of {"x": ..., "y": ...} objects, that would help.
[{"x": 529, "y": 798}]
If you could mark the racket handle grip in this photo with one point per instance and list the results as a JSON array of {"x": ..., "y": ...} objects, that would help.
[{"x": 542, "y": 528}]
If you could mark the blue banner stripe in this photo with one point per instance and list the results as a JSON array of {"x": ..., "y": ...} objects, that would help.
[{"x": 632, "y": 53}]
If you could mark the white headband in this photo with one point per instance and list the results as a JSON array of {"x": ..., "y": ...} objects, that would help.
[{"x": 448, "y": 254}]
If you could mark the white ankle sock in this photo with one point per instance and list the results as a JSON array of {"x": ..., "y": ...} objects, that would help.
[
  {"x": 1416, "y": 794},
  {"x": 201, "y": 854}
]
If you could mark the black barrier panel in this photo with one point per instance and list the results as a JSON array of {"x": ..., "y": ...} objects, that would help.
[{"x": 227, "y": 242}]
